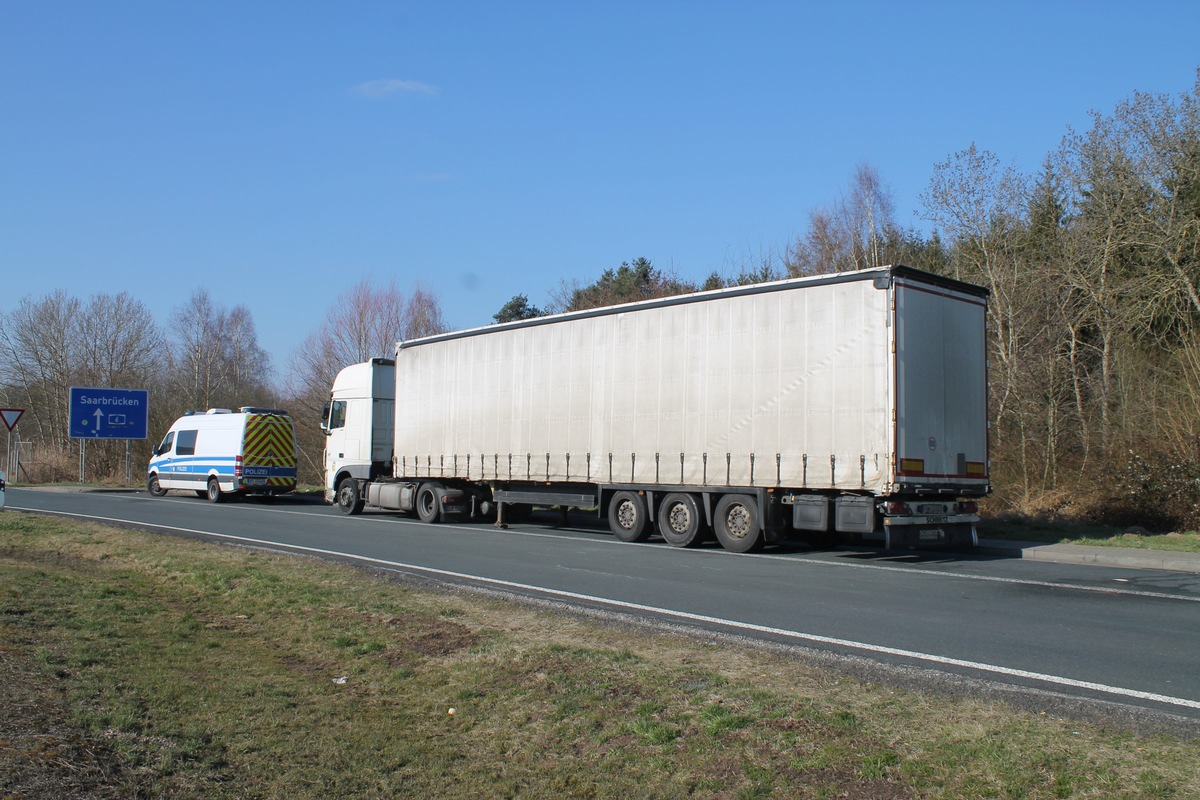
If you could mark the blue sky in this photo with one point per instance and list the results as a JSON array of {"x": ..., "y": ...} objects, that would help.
[{"x": 276, "y": 153}]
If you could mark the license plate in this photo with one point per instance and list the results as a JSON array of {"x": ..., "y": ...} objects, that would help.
[
  {"x": 256, "y": 481},
  {"x": 933, "y": 535}
]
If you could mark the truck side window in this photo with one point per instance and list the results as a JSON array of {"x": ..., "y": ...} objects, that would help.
[
  {"x": 186, "y": 445},
  {"x": 167, "y": 441},
  {"x": 337, "y": 414}
]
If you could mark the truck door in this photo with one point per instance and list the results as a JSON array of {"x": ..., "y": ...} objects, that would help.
[{"x": 941, "y": 386}]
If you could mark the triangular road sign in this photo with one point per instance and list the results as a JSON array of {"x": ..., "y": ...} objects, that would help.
[{"x": 10, "y": 416}]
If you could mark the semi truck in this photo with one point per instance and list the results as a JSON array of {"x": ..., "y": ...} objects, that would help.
[{"x": 842, "y": 406}]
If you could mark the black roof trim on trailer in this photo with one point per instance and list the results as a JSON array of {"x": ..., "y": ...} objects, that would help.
[
  {"x": 938, "y": 280},
  {"x": 889, "y": 272}
]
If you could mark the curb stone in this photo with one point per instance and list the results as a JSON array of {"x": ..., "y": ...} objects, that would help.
[{"x": 1128, "y": 557}]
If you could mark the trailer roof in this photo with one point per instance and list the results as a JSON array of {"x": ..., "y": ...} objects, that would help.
[{"x": 888, "y": 272}]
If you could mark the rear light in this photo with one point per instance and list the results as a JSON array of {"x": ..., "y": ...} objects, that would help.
[
  {"x": 237, "y": 467},
  {"x": 968, "y": 507},
  {"x": 896, "y": 508}
]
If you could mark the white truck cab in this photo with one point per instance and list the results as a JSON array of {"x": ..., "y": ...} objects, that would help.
[{"x": 359, "y": 424}]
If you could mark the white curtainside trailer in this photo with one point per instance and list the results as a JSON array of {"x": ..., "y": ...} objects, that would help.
[{"x": 853, "y": 403}]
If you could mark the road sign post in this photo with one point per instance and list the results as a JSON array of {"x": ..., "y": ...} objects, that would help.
[
  {"x": 104, "y": 413},
  {"x": 10, "y": 417},
  {"x": 97, "y": 413}
]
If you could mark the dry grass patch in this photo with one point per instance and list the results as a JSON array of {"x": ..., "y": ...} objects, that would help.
[{"x": 144, "y": 666}]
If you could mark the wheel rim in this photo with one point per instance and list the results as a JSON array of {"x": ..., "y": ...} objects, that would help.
[
  {"x": 346, "y": 497},
  {"x": 679, "y": 518},
  {"x": 738, "y": 521},
  {"x": 428, "y": 503},
  {"x": 627, "y": 515}
]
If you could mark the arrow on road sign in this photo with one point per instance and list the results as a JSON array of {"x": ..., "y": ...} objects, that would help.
[{"x": 10, "y": 416}]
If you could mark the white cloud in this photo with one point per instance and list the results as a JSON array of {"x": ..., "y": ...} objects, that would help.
[{"x": 386, "y": 86}]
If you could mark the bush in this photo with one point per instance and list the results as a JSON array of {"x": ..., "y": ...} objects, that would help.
[{"x": 1157, "y": 491}]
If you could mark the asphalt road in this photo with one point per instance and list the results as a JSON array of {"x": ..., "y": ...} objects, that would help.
[{"x": 1124, "y": 642}]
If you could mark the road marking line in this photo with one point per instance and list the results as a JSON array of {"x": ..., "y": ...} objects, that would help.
[
  {"x": 691, "y": 617},
  {"x": 691, "y": 553}
]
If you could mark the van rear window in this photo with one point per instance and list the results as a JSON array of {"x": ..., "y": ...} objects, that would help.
[{"x": 185, "y": 444}]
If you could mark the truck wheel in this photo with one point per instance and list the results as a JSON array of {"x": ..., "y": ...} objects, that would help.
[
  {"x": 153, "y": 487},
  {"x": 736, "y": 523},
  {"x": 679, "y": 520},
  {"x": 349, "y": 499},
  {"x": 429, "y": 507},
  {"x": 627, "y": 517},
  {"x": 214, "y": 491}
]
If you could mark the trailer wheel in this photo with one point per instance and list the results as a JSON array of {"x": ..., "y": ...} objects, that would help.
[
  {"x": 214, "y": 491},
  {"x": 429, "y": 507},
  {"x": 679, "y": 520},
  {"x": 153, "y": 486},
  {"x": 736, "y": 523},
  {"x": 627, "y": 517},
  {"x": 349, "y": 498}
]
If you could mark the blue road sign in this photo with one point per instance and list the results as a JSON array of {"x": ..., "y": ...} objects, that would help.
[{"x": 108, "y": 413}]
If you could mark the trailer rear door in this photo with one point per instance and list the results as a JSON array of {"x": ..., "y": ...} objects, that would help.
[{"x": 941, "y": 386}]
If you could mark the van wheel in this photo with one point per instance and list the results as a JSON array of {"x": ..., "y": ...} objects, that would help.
[
  {"x": 153, "y": 486},
  {"x": 214, "y": 491},
  {"x": 627, "y": 517},
  {"x": 349, "y": 498},
  {"x": 679, "y": 520},
  {"x": 736, "y": 523},
  {"x": 429, "y": 508}
]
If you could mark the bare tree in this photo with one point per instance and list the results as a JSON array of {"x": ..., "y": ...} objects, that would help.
[
  {"x": 365, "y": 322},
  {"x": 120, "y": 344},
  {"x": 57, "y": 342},
  {"x": 217, "y": 359},
  {"x": 980, "y": 206},
  {"x": 853, "y": 233},
  {"x": 38, "y": 338},
  {"x": 422, "y": 316}
]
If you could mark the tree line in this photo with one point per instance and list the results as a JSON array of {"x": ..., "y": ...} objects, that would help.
[
  {"x": 210, "y": 359},
  {"x": 1092, "y": 263}
]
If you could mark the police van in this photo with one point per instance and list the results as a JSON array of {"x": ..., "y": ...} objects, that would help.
[{"x": 220, "y": 451}]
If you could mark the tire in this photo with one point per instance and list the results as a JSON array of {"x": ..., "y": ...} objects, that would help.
[
  {"x": 154, "y": 488},
  {"x": 349, "y": 499},
  {"x": 429, "y": 505},
  {"x": 214, "y": 491},
  {"x": 627, "y": 517},
  {"x": 736, "y": 523},
  {"x": 680, "y": 520}
]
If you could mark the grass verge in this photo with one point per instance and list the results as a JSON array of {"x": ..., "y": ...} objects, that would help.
[
  {"x": 142, "y": 666},
  {"x": 1034, "y": 530}
]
